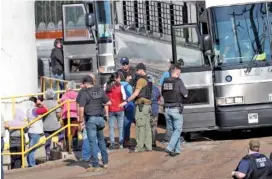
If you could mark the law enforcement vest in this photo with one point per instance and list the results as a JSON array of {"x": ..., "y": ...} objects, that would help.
[
  {"x": 260, "y": 167},
  {"x": 94, "y": 105},
  {"x": 146, "y": 91},
  {"x": 170, "y": 92}
]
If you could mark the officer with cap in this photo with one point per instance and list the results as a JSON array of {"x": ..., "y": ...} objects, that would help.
[
  {"x": 173, "y": 90},
  {"x": 126, "y": 69},
  {"x": 91, "y": 107},
  {"x": 142, "y": 96},
  {"x": 254, "y": 165}
]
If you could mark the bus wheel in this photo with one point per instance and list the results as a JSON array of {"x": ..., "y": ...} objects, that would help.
[{"x": 187, "y": 136}]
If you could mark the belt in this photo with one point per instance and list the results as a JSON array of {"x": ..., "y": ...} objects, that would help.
[
  {"x": 100, "y": 115},
  {"x": 171, "y": 107}
]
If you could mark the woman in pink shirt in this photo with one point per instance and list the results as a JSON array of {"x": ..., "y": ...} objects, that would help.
[{"x": 70, "y": 94}]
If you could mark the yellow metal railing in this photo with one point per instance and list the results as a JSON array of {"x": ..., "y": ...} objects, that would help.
[
  {"x": 13, "y": 99},
  {"x": 44, "y": 80},
  {"x": 69, "y": 125},
  {"x": 43, "y": 88}
]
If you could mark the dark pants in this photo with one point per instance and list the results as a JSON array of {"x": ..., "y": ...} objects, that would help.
[
  {"x": 48, "y": 142},
  {"x": 16, "y": 160},
  {"x": 128, "y": 119},
  {"x": 74, "y": 131},
  {"x": 2, "y": 148}
]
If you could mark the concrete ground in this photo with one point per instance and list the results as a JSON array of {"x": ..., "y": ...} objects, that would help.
[{"x": 200, "y": 159}]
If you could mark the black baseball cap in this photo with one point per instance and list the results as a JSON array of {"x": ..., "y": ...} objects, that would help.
[
  {"x": 88, "y": 79},
  {"x": 140, "y": 66}
]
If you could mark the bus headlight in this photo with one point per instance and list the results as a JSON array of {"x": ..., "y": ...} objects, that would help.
[
  {"x": 239, "y": 100},
  {"x": 106, "y": 69},
  {"x": 220, "y": 101},
  {"x": 230, "y": 100}
]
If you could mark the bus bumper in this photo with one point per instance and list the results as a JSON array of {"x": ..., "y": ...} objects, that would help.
[{"x": 244, "y": 116}]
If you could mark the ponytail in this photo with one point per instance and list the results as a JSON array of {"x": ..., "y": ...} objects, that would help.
[{"x": 112, "y": 81}]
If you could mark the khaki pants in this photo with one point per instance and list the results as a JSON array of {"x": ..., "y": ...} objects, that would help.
[{"x": 143, "y": 128}]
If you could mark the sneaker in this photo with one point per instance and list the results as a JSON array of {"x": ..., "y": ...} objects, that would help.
[
  {"x": 112, "y": 147},
  {"x": 173, "y": 154},
  {"x": 106, "y": 166},
  {"x": 168, "y": 151},
  {"x": 93, "y": 169},
  {"x": 121, "y": 146},
  {"x": 128, "y": 144}
]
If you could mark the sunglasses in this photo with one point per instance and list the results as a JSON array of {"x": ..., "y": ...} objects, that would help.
[{"x": 124, "y": 64}]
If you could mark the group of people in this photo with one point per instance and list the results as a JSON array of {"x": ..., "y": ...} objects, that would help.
[
  {"x": 130, "y": 96},
  {"x": 46, "y": 126}
]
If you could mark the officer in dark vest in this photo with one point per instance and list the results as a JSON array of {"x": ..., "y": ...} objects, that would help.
[
  {"x": 142, "y": 96},
  {"x": 91, "y": 107},
  {"x": 254, "y": 165},
  {"x": 173, "y": 90},
  {"x": 127, "y": 69}
]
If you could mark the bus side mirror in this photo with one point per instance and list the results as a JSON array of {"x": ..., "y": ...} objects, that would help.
[
  {"x": 90, "y": 19},
  {"x": 206, "y": 43}
]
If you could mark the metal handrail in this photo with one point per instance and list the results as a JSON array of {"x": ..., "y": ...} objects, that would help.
[{"x": 24, "y": 152}]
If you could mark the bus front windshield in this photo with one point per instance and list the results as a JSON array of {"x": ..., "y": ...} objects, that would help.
[{"x": 241, "y": 33}]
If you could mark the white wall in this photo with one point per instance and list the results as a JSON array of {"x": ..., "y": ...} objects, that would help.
[
  {"x": 214, "y": 3},
  {"x": 19, "y": 70}
]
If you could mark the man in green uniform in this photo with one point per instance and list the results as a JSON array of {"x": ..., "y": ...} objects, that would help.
[{"x": 142, "y": 96}]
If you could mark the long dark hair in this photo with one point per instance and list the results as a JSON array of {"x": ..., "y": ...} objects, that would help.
[{"x": 112, "y": 81}]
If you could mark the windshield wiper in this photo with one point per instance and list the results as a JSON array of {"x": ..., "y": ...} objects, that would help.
[{"x": 251, "y": 64}]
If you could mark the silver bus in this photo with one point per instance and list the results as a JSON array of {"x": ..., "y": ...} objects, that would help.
[
  {"x": 85, "y": 49},
  {"x": 227, "y": 60}
]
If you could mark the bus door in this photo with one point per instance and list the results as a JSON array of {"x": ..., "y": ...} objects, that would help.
[
  {"x": 79, "y": 47},
  {"x": 197, "y": 75}
]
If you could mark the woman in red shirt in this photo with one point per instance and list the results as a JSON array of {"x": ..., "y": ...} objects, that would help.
[{"x": 117, "y": 95}]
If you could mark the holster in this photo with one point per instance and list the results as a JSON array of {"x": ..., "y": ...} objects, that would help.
[{"x": 140, "y": 106}]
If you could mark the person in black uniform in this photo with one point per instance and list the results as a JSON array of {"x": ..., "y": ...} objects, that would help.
[
  {"x": 254, "y": 165},
  {"x": 173, "y": 90},
  {"x": 91, "y": 107},
  {"x": 57, "y": 61}
]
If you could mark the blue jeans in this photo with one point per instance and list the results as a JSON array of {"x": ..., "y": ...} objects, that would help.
[
  {"x": 94, "y": 128},
  {"x": 33, "y": 139},
  {"x": 128, "y": 119},
  {"x": 2, "y": 148},
  {"x": 168, "y": 132},
  {"x": 60, "y": 77},
  {"x": 86, "y": 148},
  {"x": 119, "y": 116},
  {"x": 175, "y": 122}
]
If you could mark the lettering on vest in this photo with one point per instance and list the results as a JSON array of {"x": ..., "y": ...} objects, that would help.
[
  {"x": 168, "y": 86},
  {"x": 260, "y": 162},
  {"x": 170, "y": 91},
  {"x": 96, "y": 94}
]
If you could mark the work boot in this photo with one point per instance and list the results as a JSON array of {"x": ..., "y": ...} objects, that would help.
[
  {"x": 127, "y": 144},
  {"x": 93, "y": 169}
]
